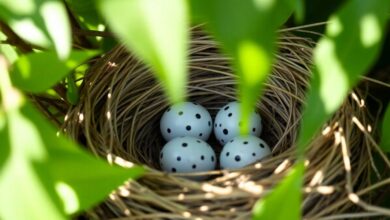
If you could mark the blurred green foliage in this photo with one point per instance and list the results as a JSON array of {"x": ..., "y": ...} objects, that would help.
[
  {"x": 157, "y": 31},
  {"x": 352, "y": 42},
  {"x": 29, "y": 69},
  {"x": 61, "y": 174},
  {"x": 247, "y": 31},
  {"x": 40, "y": 22},
  {"x": 285, "y": 200}
]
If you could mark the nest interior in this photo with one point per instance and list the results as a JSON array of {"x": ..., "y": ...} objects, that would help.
[{"x": 118, "y": 117}]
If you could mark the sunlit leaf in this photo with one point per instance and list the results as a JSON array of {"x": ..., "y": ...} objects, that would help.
[
  {"x": 30, "y": 69},
  {"x": 247, "y": 31},
  {"x": 7, "y": 50},
  {"x": 49, "y": 165},
  {"x": 157, "y": 31},
  {"x": 56, "y": 22},
  {"x": 44, "y": 175},
  {"x": 75, "y": 170},
  {"x": 352, "y": 42},
  {"x": 43, "y": 23},
  {"x": 385, "y": 137},
  {"x": 25, "y": 182},
  {"x": 285, "y": 200}
]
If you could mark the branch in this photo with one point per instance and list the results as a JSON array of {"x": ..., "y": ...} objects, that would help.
[{"x": 14, "y": 39}]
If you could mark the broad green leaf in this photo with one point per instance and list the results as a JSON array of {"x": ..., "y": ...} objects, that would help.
[
  {"x": 30, "y": 70},
  {"x": 385, "y": 137},
  {"x": 247, "y": 31},
  {"x": 285, "y": 200},
  {"x": 43, "y": 23},
  {"x": 88, "y": 179},
  {"x": 352, "y": 42},
  {"x": 44, "y": 175},
  {"x": 156, "y": 31},
  {"x": 26, "y": 185},
  {"x": 25, "y": 182}
]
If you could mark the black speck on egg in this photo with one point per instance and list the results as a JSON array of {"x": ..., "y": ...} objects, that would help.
[
  {"x": 184, "y": 144},
  {"x": 245, "y": 142},
  {"x": 198, "y": 116},
  {"x": 178, "y": 158},
  {"x": 180, "y": 113},
  {"x": 230, "y": 114},
  {"x": 226, "y": 108},
  {"x": 188, "y": 128},
  {"x": 261, "y": 145},
  {"x": 174, "y": 170},
  {"x": 237, "y": 158},
  {"x": 225, "y": 131}
]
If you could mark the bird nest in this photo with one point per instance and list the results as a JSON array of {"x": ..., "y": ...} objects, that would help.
[{"x": 118, "y": 116}]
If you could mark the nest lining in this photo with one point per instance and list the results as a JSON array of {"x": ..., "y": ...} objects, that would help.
[{"x": 119, "y": 112}]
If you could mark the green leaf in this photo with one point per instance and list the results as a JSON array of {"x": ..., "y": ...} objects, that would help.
[
  {"x": 156, "y": 31},
  {"x": 25, "y": 182},
  {"x": 74, "y": 171},
  {"x": 285, "y": 200},
  {"x": 30, "y": 69},
  {"x": 247, "y": 31},
  {"x": 44, "y": 175},
  {"x": 352, "y": 42},
  {"x": 385, "y": 137},
  {"x": 43, "y": 23},
  {"x": 50, "y": 172}
]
